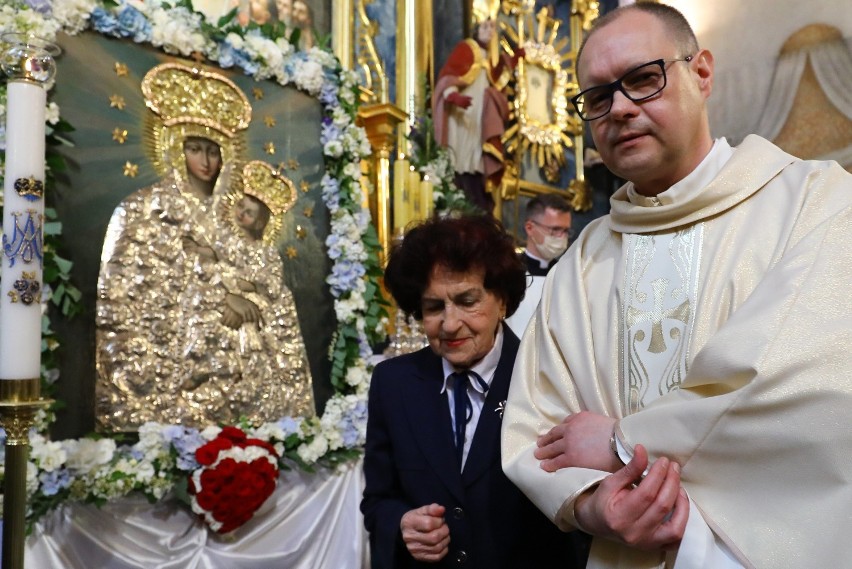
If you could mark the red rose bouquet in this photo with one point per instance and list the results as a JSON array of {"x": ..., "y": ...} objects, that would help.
[{"x": 237, "y": 475}]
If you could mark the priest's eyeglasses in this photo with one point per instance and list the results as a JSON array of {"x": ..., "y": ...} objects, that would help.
[{"x": 638, "y": 84}]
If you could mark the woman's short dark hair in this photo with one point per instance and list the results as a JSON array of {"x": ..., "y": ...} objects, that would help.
[{"x": 461, "y": 245}]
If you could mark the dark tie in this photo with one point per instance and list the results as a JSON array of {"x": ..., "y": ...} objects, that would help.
[{"x": 462, "y": 407}]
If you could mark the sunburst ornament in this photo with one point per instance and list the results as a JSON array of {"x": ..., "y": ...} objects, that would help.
[{"x": 541, "y": 122}]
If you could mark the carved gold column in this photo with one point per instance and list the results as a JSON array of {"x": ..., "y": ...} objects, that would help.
[
  {"x": 583, "y": 13},
  {"x": 342, "y": 23},
  {"x": 29, "y": 65},
  {"x": 381, "y": 121},
  {"x": 415, "y": 60}
]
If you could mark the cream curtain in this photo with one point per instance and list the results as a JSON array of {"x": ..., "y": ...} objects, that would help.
[{"x": 748, "y": 99}]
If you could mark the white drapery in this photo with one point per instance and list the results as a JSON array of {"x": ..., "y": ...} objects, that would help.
[
  {"x": 745, "y": 100},
  {"x": 312, "y": 521}
]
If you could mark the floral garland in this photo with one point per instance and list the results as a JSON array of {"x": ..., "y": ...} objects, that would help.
[{"x": 99, "y": 470}]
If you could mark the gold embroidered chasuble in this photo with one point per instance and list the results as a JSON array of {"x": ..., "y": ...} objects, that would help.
[{"x": 754, "y": 400}]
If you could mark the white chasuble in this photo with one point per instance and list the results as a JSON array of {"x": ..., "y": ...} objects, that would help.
[{"x": 716, "y": 327}]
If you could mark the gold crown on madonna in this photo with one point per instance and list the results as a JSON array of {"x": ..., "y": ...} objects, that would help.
[
  {"x": 267, "y": 184},
  {"x": 483, "y": 10},
  {"x": 178, "y": 94}
]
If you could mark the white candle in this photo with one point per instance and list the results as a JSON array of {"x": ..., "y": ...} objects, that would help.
[{"x": 21, "y": 273}]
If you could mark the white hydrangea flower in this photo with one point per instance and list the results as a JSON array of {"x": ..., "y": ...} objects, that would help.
[
  {"x": 357, "y": 375},
  {"x": 73, "y": 15},
  {"x": 32, "y": 478},
  {"x": 48, "y": 455},
  {"x": 311, "y": 452},
  {"x": 85, "y": 455},
  {"x": 308, "y": 76}
]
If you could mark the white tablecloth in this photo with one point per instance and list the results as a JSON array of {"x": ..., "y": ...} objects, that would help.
[{"x": 312, "y": 521}]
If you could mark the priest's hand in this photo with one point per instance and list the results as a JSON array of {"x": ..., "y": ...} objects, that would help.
[
  {"x": 649, "y": 513},
  {"x": 425, "y": 533},
  {"x": 459, "y": 100},
  {"x": 582, "y": 441}
]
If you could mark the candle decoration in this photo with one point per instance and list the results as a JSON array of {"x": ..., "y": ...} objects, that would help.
[{"x": 29, "y": 65}]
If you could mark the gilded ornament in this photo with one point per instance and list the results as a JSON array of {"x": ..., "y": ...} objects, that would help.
[
  {"x": 120, "y": 69},
  {"x": 308, "y": 211},
  {"x": 269, "y": 148},
  {"x": 116, "y": 102},
  {"x": 119, "y": 135},
  {"x": 304, "y": 186},
  {"x": 258, "y": 93},
  {"x": 29, "y": 188},
  {"x": 131, "y": 169},
  {"x": 291, "y": 252},
  {"x": 182, "y": 95},
  {"x": 293, "y": 164},
  {"x": 269, "y": 121},
  {"x": 301, "y": 232}
]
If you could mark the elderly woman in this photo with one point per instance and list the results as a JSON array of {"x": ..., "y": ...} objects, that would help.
[{"x": 435, "y": 492}]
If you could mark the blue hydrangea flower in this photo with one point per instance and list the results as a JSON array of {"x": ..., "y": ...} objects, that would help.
[
  {"x": 40, "y": 6},
  {"x": 289, "y": 425},
  {"x": 132, "y": 23},
  {"x": 104, "y": 22},
  {"x": 53, "y": 482}
]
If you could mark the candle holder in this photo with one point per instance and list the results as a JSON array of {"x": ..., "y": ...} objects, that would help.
[
  {"x": 29, "y": 64},
  {"x": 28, "y": 58}
]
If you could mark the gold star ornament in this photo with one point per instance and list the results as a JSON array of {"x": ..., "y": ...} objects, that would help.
[
  {"x": 269, "y": 147},
  {"x": 257, "y": 92},
  {"x": 120, "y": 69},
  {"x": 116, "y": 102},
  {"x": 269, "y": 121},
  {"x": 304, "y": 186},
  {"x": 291, "y": 252},
  {"x": 119, "y": 135},
  {"x": 131, "y": 169},
  {"x": 301, "y": 232},
  {"x": 309, "y": 211}
]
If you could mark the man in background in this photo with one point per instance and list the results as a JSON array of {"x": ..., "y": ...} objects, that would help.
[{"x": 548, "y": 229}]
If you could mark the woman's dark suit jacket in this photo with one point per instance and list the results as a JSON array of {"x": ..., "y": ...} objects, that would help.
[{"x": 410, "y": 462}]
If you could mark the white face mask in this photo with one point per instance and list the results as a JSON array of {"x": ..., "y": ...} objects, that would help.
[{"x": 552, "y": 246}]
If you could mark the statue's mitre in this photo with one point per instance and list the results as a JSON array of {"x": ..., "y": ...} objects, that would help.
[
  {"x": 269, "y": 186},
  {"x": 184, "y": 95}
]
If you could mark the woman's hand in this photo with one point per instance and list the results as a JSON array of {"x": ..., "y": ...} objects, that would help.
[{"x": 425, "y": 533}]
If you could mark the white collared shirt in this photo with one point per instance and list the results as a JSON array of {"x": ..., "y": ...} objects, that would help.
[{"x": 486, "y": 367}]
